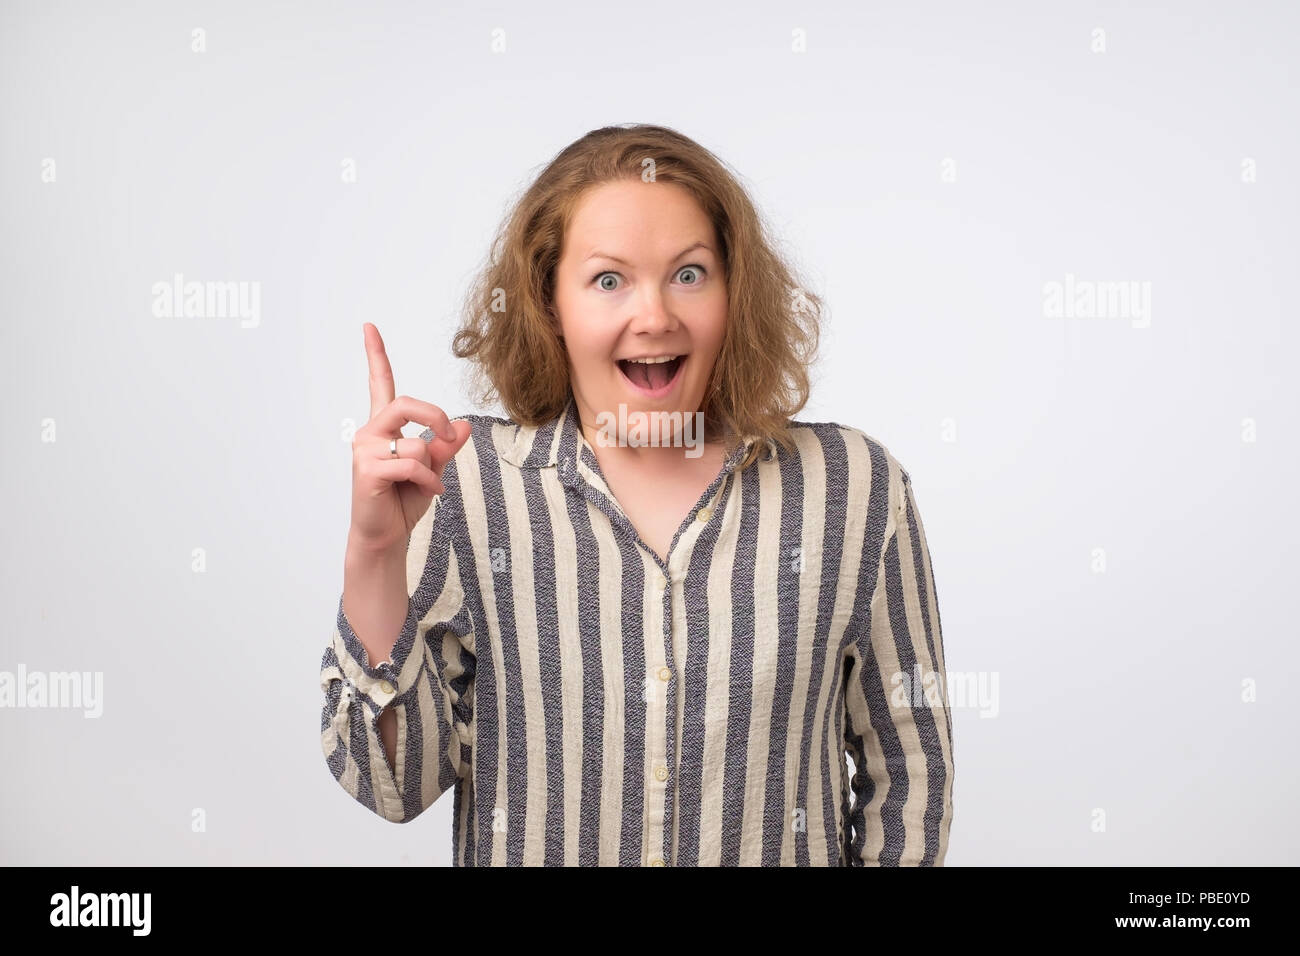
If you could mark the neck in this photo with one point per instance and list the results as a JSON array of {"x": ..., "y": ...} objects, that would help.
[{"x": 650, "y": 449}]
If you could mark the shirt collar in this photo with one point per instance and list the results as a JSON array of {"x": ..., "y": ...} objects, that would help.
[{"x": 560, "y": 443}]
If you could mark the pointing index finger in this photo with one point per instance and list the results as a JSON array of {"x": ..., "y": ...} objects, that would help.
[{"x": 382, "y": 389}]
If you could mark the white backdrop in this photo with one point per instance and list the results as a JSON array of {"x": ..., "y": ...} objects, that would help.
[{"x": 1108, "y": 492}]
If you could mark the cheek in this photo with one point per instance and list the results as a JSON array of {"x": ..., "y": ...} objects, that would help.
[
  {"x": 711, "y": 335},
  {"x": 583, "y": 337},
  {"x": 714, "y": 326},
  {"x": 590, "y": 348}
]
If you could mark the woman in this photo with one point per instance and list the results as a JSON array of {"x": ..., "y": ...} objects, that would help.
[{"x": 623, "y": 651}]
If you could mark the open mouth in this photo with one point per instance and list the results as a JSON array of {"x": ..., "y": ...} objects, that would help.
[{"x": 652, "y": 377}]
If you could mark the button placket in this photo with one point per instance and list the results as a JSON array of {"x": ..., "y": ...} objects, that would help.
[
  {"x": 662, "y": 769},
  {"x": 657, "y": 756},
  {"x": 657, "y": 705},
  {"x": 387, "y": 685},
  {"x": 659, "y": 760},
  {"x": 679, "y": 561}
]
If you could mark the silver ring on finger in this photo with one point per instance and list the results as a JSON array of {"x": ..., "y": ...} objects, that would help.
[{"x": 392, "y": 448}]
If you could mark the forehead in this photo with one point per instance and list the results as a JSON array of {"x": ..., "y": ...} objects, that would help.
[{"x": 636, "y": 217}]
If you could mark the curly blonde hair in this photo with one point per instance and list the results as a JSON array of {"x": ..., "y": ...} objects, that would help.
[{"x": 760, "y": 379}]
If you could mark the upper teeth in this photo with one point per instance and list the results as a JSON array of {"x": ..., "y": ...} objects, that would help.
[{"x": 658, "y": 360}]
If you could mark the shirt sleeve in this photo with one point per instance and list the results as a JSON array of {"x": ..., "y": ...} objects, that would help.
[
  {"x": 897, "y": 726},
  {"x": 428, "y": 682}
]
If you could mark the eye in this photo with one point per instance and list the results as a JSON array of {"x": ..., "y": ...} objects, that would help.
[
  {"x": 693, "y": 267},
  {"x": 603, "y": 285}
]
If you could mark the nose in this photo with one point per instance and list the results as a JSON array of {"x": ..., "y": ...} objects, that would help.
[{"x": 652, "y": 315}]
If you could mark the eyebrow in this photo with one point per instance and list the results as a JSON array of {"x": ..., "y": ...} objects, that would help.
[{"x": 691, "y": 248}]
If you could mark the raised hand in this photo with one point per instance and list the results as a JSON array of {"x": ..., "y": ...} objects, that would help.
[{"x": 391, "y": 494}]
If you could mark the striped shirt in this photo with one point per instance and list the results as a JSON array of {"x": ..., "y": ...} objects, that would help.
[{"x": 592, "y": 704}]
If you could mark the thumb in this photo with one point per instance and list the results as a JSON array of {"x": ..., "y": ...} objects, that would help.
[
  {"x": 444, "y": 449},
  {"x": 463, "y": 429}
]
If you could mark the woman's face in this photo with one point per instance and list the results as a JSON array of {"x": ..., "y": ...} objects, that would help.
[{"x": 640, "y": 276}]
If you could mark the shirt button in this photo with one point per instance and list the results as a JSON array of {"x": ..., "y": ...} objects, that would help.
[
  {"x": 703, "y": 515},
  {"x": 386, "y": 687},
  {"x": 656, "y": 862},
  {"x": 665, "y": 673},
  {"x": 661, "y": 773}
]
